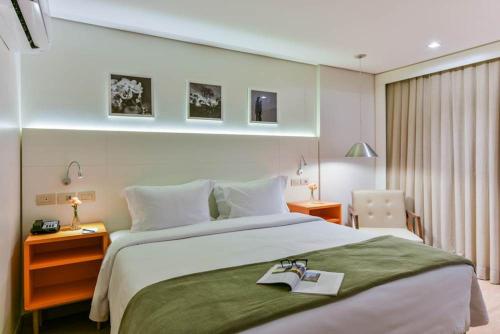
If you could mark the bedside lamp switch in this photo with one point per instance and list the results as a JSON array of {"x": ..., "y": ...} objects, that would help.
[
  {"x": 87, "y": 196},
  {"x": 46, "y": 199},
  {"x": 64, "y": 198},
  {"x": 299, "y": 182}
]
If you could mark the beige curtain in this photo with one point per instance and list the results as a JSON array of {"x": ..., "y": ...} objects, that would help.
[{"x": 443, "y": 150}]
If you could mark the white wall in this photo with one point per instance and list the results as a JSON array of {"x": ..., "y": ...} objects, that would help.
[
  {"x": 10, "y": 280},
  {"x": 66, "y": 87},
  {"x": 340, "y": 128},
  {"x": 471, "y": 56}
]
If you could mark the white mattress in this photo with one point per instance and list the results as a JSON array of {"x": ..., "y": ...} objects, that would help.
[
  {"x": 396, "y": 232},
  {"x": 447, "y": 300}
]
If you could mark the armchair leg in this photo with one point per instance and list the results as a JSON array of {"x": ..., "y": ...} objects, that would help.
[
  {"x": 420, "y": 229},
  {"x": 414, "y": 224}
]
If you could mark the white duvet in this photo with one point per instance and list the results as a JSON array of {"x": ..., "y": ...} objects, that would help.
[{"x": 447, "y": 300}]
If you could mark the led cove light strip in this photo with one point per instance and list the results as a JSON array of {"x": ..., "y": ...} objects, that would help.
[{"x": 243, "y": 132}]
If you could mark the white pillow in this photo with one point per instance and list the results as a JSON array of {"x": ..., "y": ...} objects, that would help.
[
  {"x": 156, "y": 208},
  {"x": 254, "y": 198}
]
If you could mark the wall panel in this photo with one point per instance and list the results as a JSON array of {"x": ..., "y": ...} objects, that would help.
[
  {"x": 67, "y": 86},
  {"x": 113, "y": 160},
  {"x": 10, "y": 203}
]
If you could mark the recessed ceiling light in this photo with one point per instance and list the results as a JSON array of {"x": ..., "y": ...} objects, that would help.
[{"x": 434, "y": 45}]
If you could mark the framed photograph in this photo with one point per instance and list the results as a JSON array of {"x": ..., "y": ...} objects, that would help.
[
  {"x": 205, "y": 101},
  {"x": 130, "y": 96},
  {"x": 263, "y": 106}
]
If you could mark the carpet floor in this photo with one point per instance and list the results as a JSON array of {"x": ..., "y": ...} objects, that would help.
[
  {"x": 491, "y": 295},
  {"x": 80, "y": 324}
]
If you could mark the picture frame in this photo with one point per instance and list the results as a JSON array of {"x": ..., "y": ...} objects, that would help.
[
  {"x": 268, "y": 100},
  {"x": 204, "y": 101},
  {"x": 130, "y": 95}
]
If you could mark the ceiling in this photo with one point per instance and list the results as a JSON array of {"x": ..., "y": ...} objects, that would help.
[{"x": 394, "y": 33}]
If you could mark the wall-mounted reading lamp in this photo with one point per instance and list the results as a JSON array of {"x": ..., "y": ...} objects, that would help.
[
  {"x": 67, "y": 180},
  {"x": 302, "y": 164}
]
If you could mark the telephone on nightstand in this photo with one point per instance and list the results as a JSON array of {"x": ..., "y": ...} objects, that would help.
[{"x": 42, "y": 226}]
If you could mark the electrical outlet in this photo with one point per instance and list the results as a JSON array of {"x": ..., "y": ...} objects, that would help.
[
  {"x": 64, "y": 198},
  {"x": 46, "y": 199},
  {"x": 87, "y": 196},
  {"x": 304, "y": 182}
]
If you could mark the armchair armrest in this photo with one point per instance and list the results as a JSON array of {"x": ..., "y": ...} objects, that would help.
[
  {"x": 414, "y": 224},
  {"x": 352, "y": 218}
]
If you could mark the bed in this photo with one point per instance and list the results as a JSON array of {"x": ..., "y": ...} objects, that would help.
[{"x": 445, "y": 300}]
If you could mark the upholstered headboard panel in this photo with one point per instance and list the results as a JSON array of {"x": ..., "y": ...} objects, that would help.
[{"x": 112, "y": 160}]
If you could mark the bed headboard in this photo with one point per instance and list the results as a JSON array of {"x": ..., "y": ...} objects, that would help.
[{"x": 112, "y": 160}]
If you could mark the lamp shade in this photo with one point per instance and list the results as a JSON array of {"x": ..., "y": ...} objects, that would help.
[{"x": 361, "y": 150}]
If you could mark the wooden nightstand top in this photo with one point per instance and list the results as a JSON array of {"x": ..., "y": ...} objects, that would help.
[
  {"x": 66, "y": 234},
  {"x": 329, "y": 211},
  {"x": 314, "y": 205}
]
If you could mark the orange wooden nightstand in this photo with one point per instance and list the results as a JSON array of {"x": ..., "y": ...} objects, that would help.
[
  {"x": 62, "y": 268},
  {"x": 329, "y": 211}
]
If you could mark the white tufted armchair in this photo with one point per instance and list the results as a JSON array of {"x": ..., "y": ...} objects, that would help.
[{"x": 383, "y": 212}]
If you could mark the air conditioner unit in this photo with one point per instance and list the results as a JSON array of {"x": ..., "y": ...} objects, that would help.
[{"x": 25, "y": 25}]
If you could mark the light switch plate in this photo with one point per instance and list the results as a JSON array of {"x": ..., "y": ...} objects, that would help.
[
  {"x": 87, "y": 196},
  {"x": 299, "y": 182},
  {"x": 46, "y": 199},
  {"x": 64, "y": 198}
]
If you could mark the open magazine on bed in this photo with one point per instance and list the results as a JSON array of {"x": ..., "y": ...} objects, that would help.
[{"x": 302, "y": 280}]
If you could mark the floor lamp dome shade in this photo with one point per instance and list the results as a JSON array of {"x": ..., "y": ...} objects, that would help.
[{"x": 361, "y": 150}]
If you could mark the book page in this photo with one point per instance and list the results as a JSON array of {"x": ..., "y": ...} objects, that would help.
[
  {"x": 277, "y": 274},
  {"x": 320, "y": 283}
]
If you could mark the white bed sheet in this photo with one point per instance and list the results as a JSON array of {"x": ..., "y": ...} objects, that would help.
[{"x": 447, "y": 300}]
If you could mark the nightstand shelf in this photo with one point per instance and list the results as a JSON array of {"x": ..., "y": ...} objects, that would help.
[
  {"x": 58, "y": 258},
  {"x": 329, "y": 211},
  {"x": 63, "y": 293},
  {"x": 62, "y": 267}
]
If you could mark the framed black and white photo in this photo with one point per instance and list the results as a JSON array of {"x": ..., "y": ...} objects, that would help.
[
  {"x": 130, "y": 96},
  {"x": 205, "y": 101},
  {"x": 263, "y": 106}
]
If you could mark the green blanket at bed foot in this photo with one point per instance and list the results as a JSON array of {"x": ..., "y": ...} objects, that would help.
[{"x": 228, "y": 300}]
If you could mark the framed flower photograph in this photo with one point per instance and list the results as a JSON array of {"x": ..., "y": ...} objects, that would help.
[
  {"x": 205, "y": 101},
  {"x": 263, "y": 106},
  {"x": 130, "y": 96}
]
